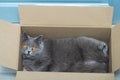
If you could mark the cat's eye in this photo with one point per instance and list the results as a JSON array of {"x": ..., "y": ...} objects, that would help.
[
  {"x": 25, "y": 46},
  {"x": 34, "y": 48}
]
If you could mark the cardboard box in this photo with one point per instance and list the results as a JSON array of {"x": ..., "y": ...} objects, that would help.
[{"x": 60, "y": 22}]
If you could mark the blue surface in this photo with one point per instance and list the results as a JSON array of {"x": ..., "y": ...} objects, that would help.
[
  {"x": 116, "y": 16},
  {"x": 7, "y": 74},
  {"x": 9, "y": 14},
  {"x": 117, "y": 75},
  {"x": 58, "y": 1}
]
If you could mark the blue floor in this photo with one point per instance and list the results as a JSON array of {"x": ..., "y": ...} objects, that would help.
[
  {"x": 7, "y": 74},
  {"x": 117, "y": 76}
]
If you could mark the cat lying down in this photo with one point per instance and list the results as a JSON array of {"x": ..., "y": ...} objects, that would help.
[{"x": 82, "y": 54}]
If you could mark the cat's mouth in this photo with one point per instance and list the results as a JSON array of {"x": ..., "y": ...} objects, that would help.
[{"x": 27, "y": 56}]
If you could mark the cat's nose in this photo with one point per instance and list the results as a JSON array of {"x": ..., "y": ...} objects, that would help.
[{"x": 28, "y": 52}]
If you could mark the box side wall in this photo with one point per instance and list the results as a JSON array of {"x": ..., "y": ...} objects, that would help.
[
  {"x": 115, "y": 42},
  {"x": 62, "y": 76},
  {"x": 66, "y": 15},
  {"x": 9, "y": 42}
]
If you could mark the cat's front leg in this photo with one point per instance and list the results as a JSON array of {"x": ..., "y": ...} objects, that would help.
[
  {"x": 41, "y": 65},
  {"x": 59, "y": 68},
  {"x": 27, "y": 65},
  {"x": 42, "y": 68},
  {"x": 28, "y": 68},
  {"x": 55, "y": 69}
]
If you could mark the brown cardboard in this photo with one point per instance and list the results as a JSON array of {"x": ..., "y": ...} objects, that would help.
[
  {"x": 115, "y": 39},
  {"x": 65, "y": 16},
  {"x": 63, "y": 76},
  {"x": 60, "y": 22},
  {"x": 63, "y": 32},
  {"x": 9, "y": 42}
]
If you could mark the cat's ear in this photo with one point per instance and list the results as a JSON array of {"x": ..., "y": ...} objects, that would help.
[
  {"x": 39, "y": 38},
  {"x": 25, "y": 36}
]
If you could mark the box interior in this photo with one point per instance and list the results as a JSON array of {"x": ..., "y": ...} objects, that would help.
[{"x": 103, "y": 34}]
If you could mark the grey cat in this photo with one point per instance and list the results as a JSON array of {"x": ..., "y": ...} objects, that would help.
[{"x": 82, "y": 54}]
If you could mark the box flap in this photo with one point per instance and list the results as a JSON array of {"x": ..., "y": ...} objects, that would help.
[
  {"x": 92, "y": 16},
  {"x": 115, "y": 47},
  {"x": 62, "y": 76},
  {"x": 9, "y": 44}
]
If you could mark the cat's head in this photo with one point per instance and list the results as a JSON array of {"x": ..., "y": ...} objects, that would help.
[{"x": 31, "y": 46}]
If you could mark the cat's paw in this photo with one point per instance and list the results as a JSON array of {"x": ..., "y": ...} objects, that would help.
[
  {"x": 104, "y": 48},
  {"x": 28, "y": 69}
]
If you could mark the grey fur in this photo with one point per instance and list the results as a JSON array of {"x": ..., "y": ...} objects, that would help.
[
  {"x": 95, "y": 56},
  {"x": 82, "y": 54}
]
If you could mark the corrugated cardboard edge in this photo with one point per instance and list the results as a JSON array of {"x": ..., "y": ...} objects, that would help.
[
  {"x": 63, "y": 76},
  {"x": 115, "y": 39},
  {"x": 9, "y": 42},
  {"x": 65, "y": 16}
]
